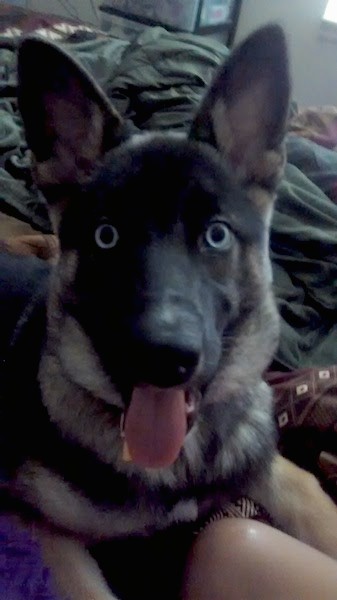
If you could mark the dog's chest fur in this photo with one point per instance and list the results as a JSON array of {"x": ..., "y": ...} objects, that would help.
[
  {"x": 93, "y": 493},
  {"x": 74, "y": 474}
]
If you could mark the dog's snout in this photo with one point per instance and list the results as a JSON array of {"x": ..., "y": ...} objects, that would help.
[
  {"x": 167, "y": 365},
  {"x": 166, "y": 342}
]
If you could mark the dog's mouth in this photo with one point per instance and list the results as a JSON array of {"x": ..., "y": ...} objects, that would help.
[{"x": 155, "y": 425}]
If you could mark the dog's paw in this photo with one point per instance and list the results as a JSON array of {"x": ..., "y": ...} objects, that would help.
[
  {"x": 299, "y": 506},
  {"x": 76, "y": 574},
  {"x": 315, "y": 518}
]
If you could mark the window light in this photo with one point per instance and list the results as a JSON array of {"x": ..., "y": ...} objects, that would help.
[{"x": 331, "y": 11}]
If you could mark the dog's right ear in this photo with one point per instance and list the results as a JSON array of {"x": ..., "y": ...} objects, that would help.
[
  {"x": 244, "y": 113},
  {"x": 68, "y": 120}
]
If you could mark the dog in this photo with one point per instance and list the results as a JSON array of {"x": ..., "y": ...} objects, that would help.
[{"x": 135, "y": 401}]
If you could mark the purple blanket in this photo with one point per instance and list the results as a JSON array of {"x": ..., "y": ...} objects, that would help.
[{"x": 22, "y": 574}]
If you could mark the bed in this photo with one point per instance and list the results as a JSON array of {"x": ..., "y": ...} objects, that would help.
[{"x": 156, "y": 81}]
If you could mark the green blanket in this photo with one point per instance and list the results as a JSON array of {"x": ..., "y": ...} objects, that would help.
[
  {"x": 304, "y": 253},
  {"x": 156, "y": 82}
]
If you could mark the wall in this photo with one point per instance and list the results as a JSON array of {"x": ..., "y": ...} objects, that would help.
[
  {"x": 314, "y": 60},
  {"x": 17, "y": 2}
]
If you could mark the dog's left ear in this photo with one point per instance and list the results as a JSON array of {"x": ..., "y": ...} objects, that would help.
[
  {"x": 68, "y": 120},
  {"x": 244, "y": 113}
]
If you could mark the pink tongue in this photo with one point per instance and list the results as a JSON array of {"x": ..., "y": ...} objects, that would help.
[{"x": 155, "y": 426}]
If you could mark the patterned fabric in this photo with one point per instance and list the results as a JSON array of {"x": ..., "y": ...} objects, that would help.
[
  {"x": 306, "y": 415},
  {"x": 306, "y": 398},
  {"x": 243, "y": 508}
]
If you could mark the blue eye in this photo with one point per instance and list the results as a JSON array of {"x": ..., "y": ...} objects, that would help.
[
  {"x": 106, "y": 236},
  {"x": 218, "y": 236}
]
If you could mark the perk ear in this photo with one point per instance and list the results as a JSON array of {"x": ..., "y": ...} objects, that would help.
[
  {"x": 244, "y": 113},
  {"x": 69, "y": 122}
]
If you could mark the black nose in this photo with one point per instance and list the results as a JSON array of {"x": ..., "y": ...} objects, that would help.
[
  {"x": 164, "y": 365},
  {"x": 166, "y": 341}
]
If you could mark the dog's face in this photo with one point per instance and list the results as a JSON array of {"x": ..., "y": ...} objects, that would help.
[{"x": 163, "y": 283}]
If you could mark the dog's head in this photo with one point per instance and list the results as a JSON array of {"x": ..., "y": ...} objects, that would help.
[{"x": 161, "y": 298}]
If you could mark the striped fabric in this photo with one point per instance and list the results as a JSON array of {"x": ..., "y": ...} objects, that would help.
[{"x": 243, "y": 508}]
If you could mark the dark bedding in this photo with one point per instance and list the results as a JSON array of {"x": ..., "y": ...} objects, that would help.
[
  {"x": 304, "y": 253},
  {"x": 22, "y": 574},
  {"x": 155, "y": 82}
]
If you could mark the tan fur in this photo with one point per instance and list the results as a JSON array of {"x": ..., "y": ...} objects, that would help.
[
  {"x": 77, "y": 575},
  {"x": 293, "y": 497},
  {"x": 234, "y": 129},
  {"x": 268, "y": 167},
  {"x": 299, "y": 506},
  {"x": 261, "y": 198},
  {"x": 68, "y": 164},
  {"x": 81, "y": 363},
  {"x": 225, "y": 138},
  {"x": 91, "y": 422},
  {"x": 69, "y": 510}
]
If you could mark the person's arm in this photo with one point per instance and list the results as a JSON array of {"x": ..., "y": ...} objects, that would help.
[{"x": 239, "y": 559}]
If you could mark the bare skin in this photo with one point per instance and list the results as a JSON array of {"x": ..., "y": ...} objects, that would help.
[{"x": 239, "y": 559}]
